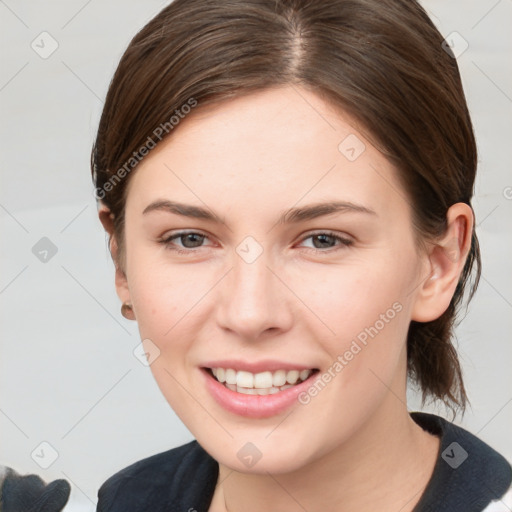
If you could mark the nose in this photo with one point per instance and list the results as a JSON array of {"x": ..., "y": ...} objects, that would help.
[{"x": 254, "y": 300}]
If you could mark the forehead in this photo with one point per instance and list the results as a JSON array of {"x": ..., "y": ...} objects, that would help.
[{"x": 271, "y": 149}]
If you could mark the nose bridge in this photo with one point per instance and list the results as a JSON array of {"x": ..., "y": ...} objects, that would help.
[
  {"x": 251, "y": 300},
  {"x": 251, "y": 282},
  {"x": 252, "y": 275}
]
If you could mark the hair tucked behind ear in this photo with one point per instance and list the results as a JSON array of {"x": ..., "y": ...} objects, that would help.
[
  {"x": 381, "y": 61},
  {"x": 432, "y": 358}
]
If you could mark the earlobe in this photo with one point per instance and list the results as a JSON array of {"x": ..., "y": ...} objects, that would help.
[
  {"x": 121, "y": 282},
  {"x": 127, "y": 311},
  {"x": 444, "y": 264}
]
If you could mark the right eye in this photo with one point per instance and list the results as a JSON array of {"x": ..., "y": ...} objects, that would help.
[{"x": 190, "y": 241}]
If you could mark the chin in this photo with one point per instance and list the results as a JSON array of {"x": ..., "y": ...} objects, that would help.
[{"x": 256, "y": 454}]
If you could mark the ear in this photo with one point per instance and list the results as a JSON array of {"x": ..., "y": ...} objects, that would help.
[
  {"x": 121, "y": 281},
  {"x": 444, "y": 264}
]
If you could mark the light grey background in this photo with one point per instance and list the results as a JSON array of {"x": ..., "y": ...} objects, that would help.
[{"x": 68, "y": 375}]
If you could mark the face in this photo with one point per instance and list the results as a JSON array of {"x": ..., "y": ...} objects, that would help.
[{"x": 303, "y": 311}]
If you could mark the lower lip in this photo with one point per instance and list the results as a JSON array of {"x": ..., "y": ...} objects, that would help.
[{"x": 254, "y": 406}]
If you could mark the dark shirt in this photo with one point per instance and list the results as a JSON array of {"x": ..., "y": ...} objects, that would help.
[{"x": 467, "y": 476}]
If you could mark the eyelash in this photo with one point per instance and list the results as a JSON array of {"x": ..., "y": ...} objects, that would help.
[{"x": 345, "y": 242}]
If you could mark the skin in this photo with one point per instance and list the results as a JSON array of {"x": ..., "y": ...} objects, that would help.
[{"x": 354, "y": 445}]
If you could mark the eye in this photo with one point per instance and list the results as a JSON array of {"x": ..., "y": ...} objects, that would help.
[
  {"x": 190, "y": 240},
  {"x": 326, "y": 239}
]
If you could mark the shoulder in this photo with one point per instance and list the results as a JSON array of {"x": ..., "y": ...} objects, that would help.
[
  {"x": 469, "y": 475},
  {"x": 503, "y": 504},
  {"x": 184, "y": 475}
]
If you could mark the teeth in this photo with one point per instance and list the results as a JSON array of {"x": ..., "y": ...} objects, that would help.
[
  {"x": 263, "y": 383},
  {"x": 263, "y": 380},
  {"x": 246, "y": 391},
  {"x": 230, "y": 376},
  {"x": 244, "y": 379},
  {"x": 303, "y": 375},
  {"x": 279, "y": 378},
  {"x": 292, "y": 376}
]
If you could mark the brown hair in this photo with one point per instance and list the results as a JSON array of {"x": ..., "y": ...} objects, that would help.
[{"x": 381, "y": 61}]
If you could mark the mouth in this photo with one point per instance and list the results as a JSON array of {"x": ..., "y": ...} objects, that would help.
[
  {"x": 257, "y": 389},
  {"x": 262, "y": 383}
]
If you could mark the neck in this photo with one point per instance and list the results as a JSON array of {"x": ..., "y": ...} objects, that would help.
[{"x": 385, "y": 466}]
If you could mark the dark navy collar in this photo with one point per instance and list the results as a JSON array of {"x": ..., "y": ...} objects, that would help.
[{"x": 467, "y": 476}]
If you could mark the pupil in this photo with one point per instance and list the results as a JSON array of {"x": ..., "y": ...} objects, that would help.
[
  {"x": 322, "y": 237},
  {"x": 190, "y": 236}
]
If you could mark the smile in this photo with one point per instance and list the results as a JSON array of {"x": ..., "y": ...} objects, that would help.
[
  {"x": 267, "y": 391},
  {"x": 262, "y": 383}
]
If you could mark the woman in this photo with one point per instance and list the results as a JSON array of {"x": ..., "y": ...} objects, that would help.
[{"x": 287, "y": 189}]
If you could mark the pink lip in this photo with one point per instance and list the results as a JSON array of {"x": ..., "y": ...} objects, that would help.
[
  {"x": 254, "y": 406},
  {"x": 255, "y": 367}
]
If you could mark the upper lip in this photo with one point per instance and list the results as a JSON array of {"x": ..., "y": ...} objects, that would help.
[{"x": 255, "y": 366}]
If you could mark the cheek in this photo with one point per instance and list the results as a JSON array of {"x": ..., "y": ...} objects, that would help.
[
  {"x": 162, "y": 292},
  {"x": 166, "y": 307},
  {"x": 167, "y": 301},
  {"x": 349, "y": 299},
  {"x": 353, "y": 297},
  {"x": 356, "y": 309},
  {"x": 365, "y": 310}
]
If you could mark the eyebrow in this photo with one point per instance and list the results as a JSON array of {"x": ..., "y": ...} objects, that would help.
[{"x": 293, "y": 215}]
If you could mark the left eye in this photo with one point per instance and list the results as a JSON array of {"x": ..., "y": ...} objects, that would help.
[
  {"x": 191, "y": 240},
  {"x": 325, "y": 239}
]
